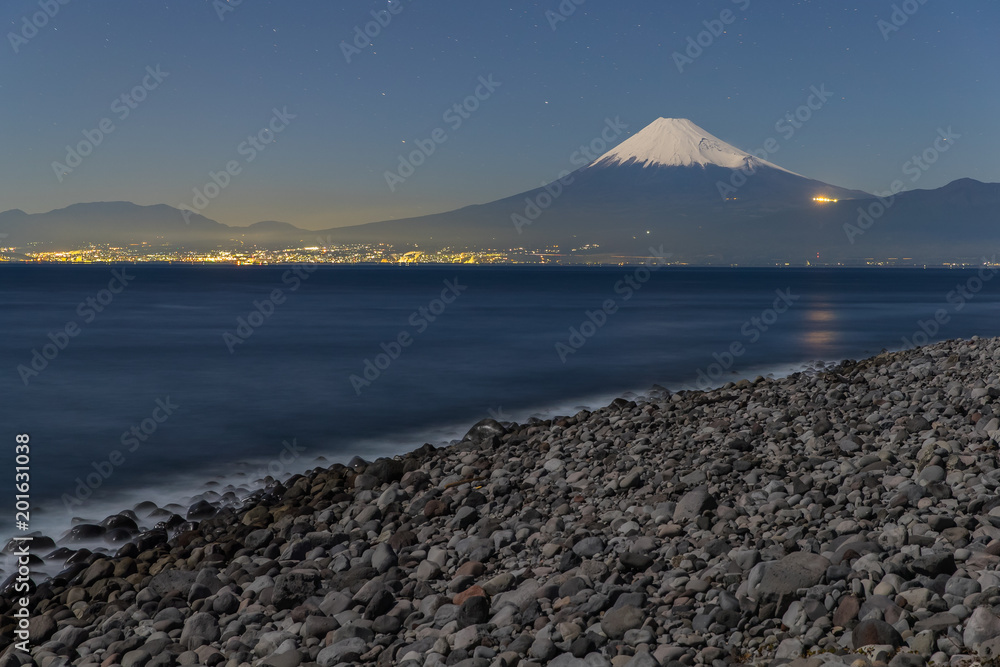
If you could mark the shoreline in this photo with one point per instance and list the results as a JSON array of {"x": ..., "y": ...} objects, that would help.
[
  {"x": 669, "y": 528},
  {"x": 187, "y": 488}
]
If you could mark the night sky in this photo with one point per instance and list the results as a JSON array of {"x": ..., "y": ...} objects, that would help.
[{"x": 225, "y": 68}]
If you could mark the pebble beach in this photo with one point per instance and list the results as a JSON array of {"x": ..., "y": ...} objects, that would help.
[{"x": 848, "y": 515}]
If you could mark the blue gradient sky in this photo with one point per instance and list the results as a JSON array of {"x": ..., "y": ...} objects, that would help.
[{"x": 558, "y": 86}]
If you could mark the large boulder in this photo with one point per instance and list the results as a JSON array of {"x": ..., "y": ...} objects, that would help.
[
  {"x": 784, "y": 577},
  {"x": 589, "y": 547},
  {"x": 934, "y": 564},
  {"x": 292, "y": 588},
  {"x": 384, "y": 558},
  {"x": 100, "y": 569},
  {"x": 386, "y": 471},
  {"x": 40, "y": 628},
  {"x": 200, "y": 629},
  {"x": 485, "y": 431},
  {"x": 981, "y": 626},
  {"x": 693, "y": 503},
  {"x": 622, "y": 619},
  {"x": 173, "y": 581},
  {"x": 474, "y": 611}
]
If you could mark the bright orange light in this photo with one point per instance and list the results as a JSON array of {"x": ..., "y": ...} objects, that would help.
[{"x": 824, "y": 200}]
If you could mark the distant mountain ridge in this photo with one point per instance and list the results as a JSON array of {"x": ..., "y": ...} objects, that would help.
[
  {"x": 123, "y": 223},
  {"x": 671, "y": 184}
]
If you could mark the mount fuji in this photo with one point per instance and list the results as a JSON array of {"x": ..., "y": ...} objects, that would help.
[
  {"x": 677, "y": 142},
  {"x": 671, "y": 183}
]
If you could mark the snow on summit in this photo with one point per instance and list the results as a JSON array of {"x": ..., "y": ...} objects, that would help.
[{"x": 677, "y": 142}]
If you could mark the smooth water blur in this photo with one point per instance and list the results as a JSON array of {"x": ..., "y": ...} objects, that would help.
[{"x": 492, "y": 351}]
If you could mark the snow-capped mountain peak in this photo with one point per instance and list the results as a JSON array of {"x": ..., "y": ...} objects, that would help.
[{"x": 677, "y": 142}]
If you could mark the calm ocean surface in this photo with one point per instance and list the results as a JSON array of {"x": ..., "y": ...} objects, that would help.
[{"x": 491, "y": 350}]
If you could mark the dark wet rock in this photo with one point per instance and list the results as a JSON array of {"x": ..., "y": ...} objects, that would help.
[
  {"x": 60, "y": 554},
  {"x": 386, "y": 470},
  {"x": 121, "y": 521},
  {"x": 357, "y": 464},
  {"x": 934, "y": 564},
  {"x": 485, "y": 430},
  {"x": 473, "y": 611},
  {"x": 200, "y": 511},
  {"x": 84, "y": 532},
  {"x": 39, "y": 543},
  {"x": 873, "y": 631},
  {"x": 635, "y": 561},
  {"x": 380, "y": 604},
  {"x": 150, "y": 539},
  {"x": 118, "y": 536}
]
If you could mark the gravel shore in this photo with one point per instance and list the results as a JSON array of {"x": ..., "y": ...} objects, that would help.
[{"x": 845, "y": 516}]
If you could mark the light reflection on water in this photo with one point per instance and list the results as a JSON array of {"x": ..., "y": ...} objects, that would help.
[{"x": 821, "y": 336}]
